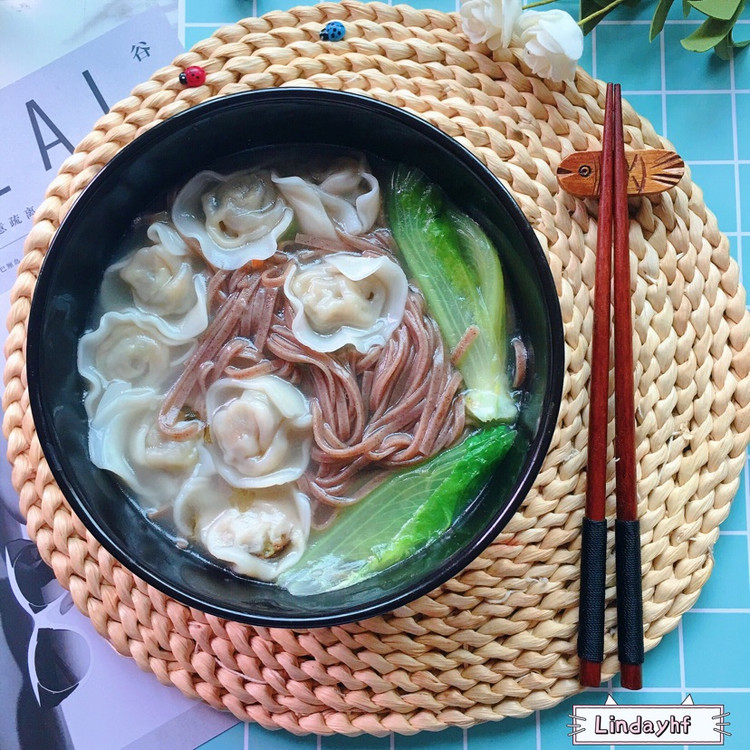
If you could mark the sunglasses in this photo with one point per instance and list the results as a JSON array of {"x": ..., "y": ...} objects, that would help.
[{"x": 59, "y": 657}]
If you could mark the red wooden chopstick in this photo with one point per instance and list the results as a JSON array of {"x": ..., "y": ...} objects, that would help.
[
  {"x": 594, "y": 531},
  {"x": 613, "y": 203},
  {"x": 627, "y": 526}
]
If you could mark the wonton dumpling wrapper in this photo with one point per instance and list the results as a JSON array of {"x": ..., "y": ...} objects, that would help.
[
  {"x": 261, "y": 430},
  {"x": 235, "y": 218},
  {"x": 203, "y": 496},
  {"x": 346, "y": 299},
  {"x": 262, "y": 541},
  {"x": 127, "y": 347},
  {"x": 346, "y": 197},
  {"x": 124, "y": 439},
  {"x": 260, "y": 532},
  {"x": 163, "y": 279}
]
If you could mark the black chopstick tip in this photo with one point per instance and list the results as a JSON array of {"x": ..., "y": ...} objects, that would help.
[
  {"x": 590, "y": 673},
  {"x": 631, "y": 676}
]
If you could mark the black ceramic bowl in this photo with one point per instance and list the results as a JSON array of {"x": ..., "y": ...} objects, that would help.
[{"x": 86, "y": 243}]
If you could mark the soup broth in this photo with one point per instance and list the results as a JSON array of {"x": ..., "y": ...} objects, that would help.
[{"x": 305, "y": 368}]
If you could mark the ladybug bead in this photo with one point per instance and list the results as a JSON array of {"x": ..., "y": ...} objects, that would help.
[
  {"x": 333, "y": 31},
  {"x": 193, "y": 76}
]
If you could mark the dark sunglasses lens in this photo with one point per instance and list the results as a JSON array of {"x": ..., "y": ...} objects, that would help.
[
  {"x": 61, "y": 660},
  {"x": 35, "y": 579}
]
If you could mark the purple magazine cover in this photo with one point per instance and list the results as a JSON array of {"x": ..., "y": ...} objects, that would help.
[{"x": 62, "y": 685}]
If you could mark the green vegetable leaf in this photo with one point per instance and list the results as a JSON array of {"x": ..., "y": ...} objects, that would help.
[
  {"x": 593, "y": 11},
  {"x": 660, "y": 16},
  {"x": 724, "y": 48},
  {"x": 587, "y": 8},
  {"x": 436, "y": 514},
  {"x": 686, "y": 8},
  {"x": 488, "y": 274},
  {"x": 400, "y": 516},
  {"x": 459, "y": 273},
  {"x": 711, "y": 32},
  {"x": 720, "y": 9}
]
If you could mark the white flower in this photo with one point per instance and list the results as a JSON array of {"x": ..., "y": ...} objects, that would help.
[
  {"x": 552, "y": 42},
  {"x": 490, "y": 21}
]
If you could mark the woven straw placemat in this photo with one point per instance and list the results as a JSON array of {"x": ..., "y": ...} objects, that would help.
[{"x": 499, "y": 639}]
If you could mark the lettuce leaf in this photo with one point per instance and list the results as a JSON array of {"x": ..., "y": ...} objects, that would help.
[
  {"x": 458, "y": 270},
  {"x": 400, "y": 516}
]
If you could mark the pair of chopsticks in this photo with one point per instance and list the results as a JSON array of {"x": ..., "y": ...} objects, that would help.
[{"x": 613, "y": 207}]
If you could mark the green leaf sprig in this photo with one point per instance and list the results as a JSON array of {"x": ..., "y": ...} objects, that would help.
[{"x": 716, "y": 31}]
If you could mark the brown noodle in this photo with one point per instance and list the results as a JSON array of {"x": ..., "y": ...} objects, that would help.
[{"x": 389, "y": 408}]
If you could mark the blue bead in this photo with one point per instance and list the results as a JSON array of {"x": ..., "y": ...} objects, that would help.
[{"x": 333, "y": 31}]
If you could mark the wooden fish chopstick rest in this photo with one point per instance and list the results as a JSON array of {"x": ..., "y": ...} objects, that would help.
[{"x": 650, "y": 171}]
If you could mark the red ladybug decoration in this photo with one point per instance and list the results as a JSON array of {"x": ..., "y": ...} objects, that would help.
[{"x": 193, "y": 76}]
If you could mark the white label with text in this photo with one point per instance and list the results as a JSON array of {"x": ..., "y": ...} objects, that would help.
[{"x": 685, "y": 724}]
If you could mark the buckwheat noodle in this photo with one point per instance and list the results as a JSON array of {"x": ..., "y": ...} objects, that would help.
[{"x": 389, "y": 408}]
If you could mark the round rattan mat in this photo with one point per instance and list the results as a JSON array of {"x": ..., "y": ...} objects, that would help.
[{"x": 499, "y": 639}]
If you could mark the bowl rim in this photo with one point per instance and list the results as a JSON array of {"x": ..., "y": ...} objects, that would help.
[{"x": 549, "y": 408}]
